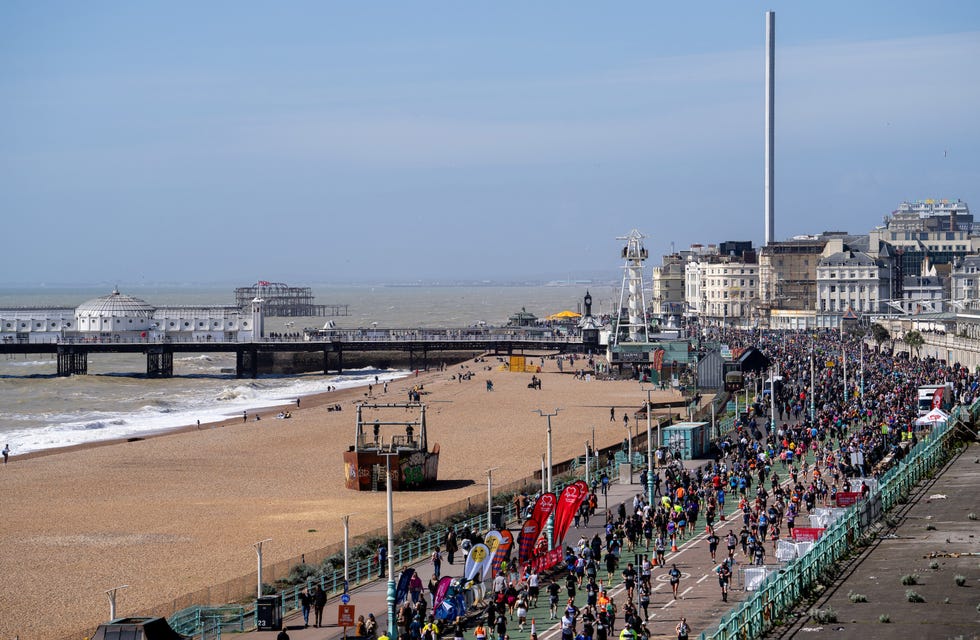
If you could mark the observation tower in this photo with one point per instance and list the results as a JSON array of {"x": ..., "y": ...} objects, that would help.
[{"x": 631, "y": 296}]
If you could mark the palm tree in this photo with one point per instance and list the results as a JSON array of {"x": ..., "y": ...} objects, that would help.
[
  {"x": 879, "y": 334},
  {"x": 913, "y": 340}
]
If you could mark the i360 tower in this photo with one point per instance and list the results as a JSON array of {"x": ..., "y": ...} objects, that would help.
[{"x": 770, "y": 121}]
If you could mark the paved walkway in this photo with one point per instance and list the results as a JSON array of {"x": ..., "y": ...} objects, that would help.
[{"x": 699, "y": 597}]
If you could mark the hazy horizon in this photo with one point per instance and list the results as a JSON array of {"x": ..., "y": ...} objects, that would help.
[{"x": 338, "y": 142}]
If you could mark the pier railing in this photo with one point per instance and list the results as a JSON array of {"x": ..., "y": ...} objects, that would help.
[{"x": 782, "y": 590}]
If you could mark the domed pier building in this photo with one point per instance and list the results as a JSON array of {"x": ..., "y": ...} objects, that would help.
[{"x": 120, "y": 319}]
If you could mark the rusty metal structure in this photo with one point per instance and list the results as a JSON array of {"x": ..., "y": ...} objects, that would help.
[{"x": 283, "y": 301}]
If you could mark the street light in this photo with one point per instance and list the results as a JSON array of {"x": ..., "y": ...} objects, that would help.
[
  {"x": 258, "y": 551},
  {"x": 548, "y": 416},
  {"x": 392, "y": 623},
  {"x": 650, "y": 448},
  {"x": 346, "y": 519},
  {"x": 490, "y": 498},
  {"x": 112, "y": 600}
]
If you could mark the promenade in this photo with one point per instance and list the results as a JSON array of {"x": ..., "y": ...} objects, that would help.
[{"x": 699, "y": 596}]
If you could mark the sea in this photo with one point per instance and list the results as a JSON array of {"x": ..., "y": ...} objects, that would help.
[{"x": 39, "y": 410}]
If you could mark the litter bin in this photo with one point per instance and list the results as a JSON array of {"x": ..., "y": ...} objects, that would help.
[
  {"x": 268, "y": 613},
  {"x": 497, "y": 518}
]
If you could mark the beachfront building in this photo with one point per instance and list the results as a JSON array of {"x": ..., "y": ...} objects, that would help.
[
  {"x": 117, "y": 317},
  {"x": 731, "y": 292},
  {"x": 788, "y": 281},
  {"x": 851, "y": 281},
  {"x": 941, "y": 230},
  {"x": 927, "y": 292},
  {"x": 965, "y": 283},
  {"x": 668, "y": 286}
]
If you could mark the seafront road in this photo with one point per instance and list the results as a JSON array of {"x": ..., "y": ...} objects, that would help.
[{"x": 699, "y": 597}]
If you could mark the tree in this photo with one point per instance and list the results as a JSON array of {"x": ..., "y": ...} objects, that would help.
[
  {"x": 879, "y": 334},
  {"x": 913, "y": 339}
]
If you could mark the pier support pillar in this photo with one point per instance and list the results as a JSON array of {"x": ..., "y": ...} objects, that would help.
[
  {"x": 326, "y": 362},
  {"x": 340, "y": 360},
  {"x": 71, "y": 362},
  {"x": 247, "y": 363},
  {"x": 159, "y": 363}
]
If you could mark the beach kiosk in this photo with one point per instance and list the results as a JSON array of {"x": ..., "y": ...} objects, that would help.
[{"x": 692, "y": 439}]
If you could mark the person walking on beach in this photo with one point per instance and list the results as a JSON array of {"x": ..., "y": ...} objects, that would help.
[
  {"x": 319, "y": 602},
  {"x": 6, "y": 452}
]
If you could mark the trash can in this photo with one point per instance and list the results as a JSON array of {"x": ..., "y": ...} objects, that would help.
[
  {"x": 268, "y": 613},
  {"x": 497, "y": 518}
]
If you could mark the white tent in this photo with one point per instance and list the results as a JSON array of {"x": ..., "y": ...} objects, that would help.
[{"x": 934, "y": 417}]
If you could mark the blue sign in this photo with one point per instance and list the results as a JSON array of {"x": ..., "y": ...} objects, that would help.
[{"x": 345, "y": 598}]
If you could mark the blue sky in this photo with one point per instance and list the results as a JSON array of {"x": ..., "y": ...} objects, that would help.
[{"x": 380, "y": 141}]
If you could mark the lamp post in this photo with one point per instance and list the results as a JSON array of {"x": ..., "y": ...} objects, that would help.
[
  {"x": 549, "y": 527},
  {"x": 111, "y": 593},
  {"x": 813, "y": 401},
  {"x": 490, "y": 497},
  {"x": 549, "y": 416},
  {"x": 346, "y": 519},
  {"x": 392, "y": 623},
  {"x": 650, "y": 449},
  {"x": 258, "y": 552}
]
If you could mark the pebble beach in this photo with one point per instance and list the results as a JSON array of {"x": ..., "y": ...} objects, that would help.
[{"x": 177, "y": 513}]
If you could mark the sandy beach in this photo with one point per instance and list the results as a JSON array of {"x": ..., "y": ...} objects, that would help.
[{"x": 178, "y": 513}]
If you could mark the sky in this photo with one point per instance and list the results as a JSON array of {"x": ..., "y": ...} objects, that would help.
[{"x": 346, "y": 142}]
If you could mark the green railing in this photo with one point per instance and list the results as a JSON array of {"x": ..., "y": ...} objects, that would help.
[
  {"x": 208, "y": 622},
  {"x": 783, "y": 590}
]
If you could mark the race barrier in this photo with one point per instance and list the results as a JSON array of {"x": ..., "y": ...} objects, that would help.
[{"x": 781, "y": 590}]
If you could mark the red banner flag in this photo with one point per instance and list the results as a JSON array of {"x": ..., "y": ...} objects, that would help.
[
  {"x": 543, "y": 508},
  {"x": 534, "y": 525},
  {"x": 569, "y": 502}
]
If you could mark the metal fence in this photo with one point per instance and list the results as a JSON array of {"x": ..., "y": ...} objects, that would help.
[{"x": 784, "y": 589}]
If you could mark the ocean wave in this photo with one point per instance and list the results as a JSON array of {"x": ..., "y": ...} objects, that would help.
[
  {"x": 181, "y": 406},
  {"x": 27, "y": 363}
]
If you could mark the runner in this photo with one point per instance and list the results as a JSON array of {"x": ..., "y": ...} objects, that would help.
[
  {"x": 724, "y": 572},
  {"x": 675, "y": 579}
]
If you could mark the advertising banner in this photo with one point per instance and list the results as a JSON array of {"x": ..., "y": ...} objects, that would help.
[
  {"x": 847, "y": 498},
  {"x": 441, "y": 590},
  {"x": 547, "y": 560},
  {"x": 810, "y": 534},
  {"x": 479, "y": 556},
  {"x": 402, "y": 589},
  {"x": 526, "y": 539},
  {"x": 502, "y": 551},
  {"x": 571, "y": 499},
  {"x": 543, "y": 508}
]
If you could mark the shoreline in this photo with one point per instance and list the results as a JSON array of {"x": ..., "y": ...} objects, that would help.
[
  {"x": 337, "y": 396},
  {"x": 175, "y": 515}
]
